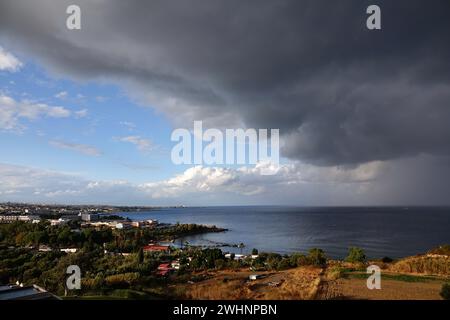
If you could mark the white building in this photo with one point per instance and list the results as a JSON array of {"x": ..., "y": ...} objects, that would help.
[
  {"x": 123, "y": 225},
  {"x": 175, "y": 265},
  {"x": 89, "y": 217},
  {"x": 69, "y": 250},
  {"x": 10, "y": 219},
  {"x": 236, "y": 256},
  {"x": 58, "y": 222}
]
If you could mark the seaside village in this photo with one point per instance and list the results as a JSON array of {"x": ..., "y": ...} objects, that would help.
[
  {"x": 91, "y": 218},
  {"x": 145, "y": 259}
]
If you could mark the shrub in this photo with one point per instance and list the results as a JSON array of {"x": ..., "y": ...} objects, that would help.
[
  {"x": 129, "y": 294},
  {"x": 122, "y": 280},
  {"x": 254, "y": 251},
  {"x": 445, "y": 291},
  {"x": 335, "y": 272},
  {"x": 356, "y": 255},
  {"x": 219, "y": 263},
  {"x": 140, "y": 256},
  {"x": 442, "y": 250},
  {"x": 272, "y": 260},
  {"x": 387, "y": 260},
  {"x": 283, "y": 264},
  {"x": 302, "y": 260},
  {"x": 317, "y": 257}
]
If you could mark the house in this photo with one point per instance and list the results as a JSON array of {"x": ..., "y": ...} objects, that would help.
[
  {"x": 236, "y": 256},
  {"x": 151, "y": 221},
  {"x": 156, "y": 248},
  {"x": 69, "y": 250},
  {"x": 164, "y": 269},
  {"x": 43, "y": 248},
  {"x": 99, "y": 224},
  {"x": 10, "y": 219},
  {"x": 58, "y": 222},
  {"x": 123, "y": 225},
  {"x": 136, "y": 224},
  {"x": 36, "y": 219},
  {"x": 20, "y": 292},
  {"x": 71, "y": 217},
  {"x": 89, "y": 217},
  {"x": 164, "y": 266}
]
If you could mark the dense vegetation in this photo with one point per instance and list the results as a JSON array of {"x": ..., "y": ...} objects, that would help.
[
  {"x": 105, "y": 270},
  {"x": 71, "y": 235},
  {"x": 441, "y": 250}
]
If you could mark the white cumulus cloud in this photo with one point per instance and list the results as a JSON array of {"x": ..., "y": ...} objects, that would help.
[
  {"x": 61, "y": 95},
  {"x": 81, "y": 148},
  {"x": 12, "y": 111},
  {"x": 142, "y": 144},
  {"x": 9, "y": 62}
]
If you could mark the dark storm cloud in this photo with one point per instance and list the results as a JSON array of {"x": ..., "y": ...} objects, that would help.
[{"x": 339, "y": 93}]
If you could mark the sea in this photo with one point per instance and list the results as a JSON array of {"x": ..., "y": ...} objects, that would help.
[{"x": 393, "y": 232}]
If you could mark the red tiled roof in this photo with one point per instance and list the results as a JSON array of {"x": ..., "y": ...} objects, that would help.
[
  {"x": 164, "y": 266},
  {"x": 153, "y": 247}
]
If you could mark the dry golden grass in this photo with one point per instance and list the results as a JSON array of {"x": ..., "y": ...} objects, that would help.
[
  {"x": 305, "y": 283},
  {"x": 427, "y": 264},
  {"x": 390, "y": 290},
  {"x": 295, "y": 284}
]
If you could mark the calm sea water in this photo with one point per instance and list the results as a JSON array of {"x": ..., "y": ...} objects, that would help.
[{"x": 380, "y": 231}]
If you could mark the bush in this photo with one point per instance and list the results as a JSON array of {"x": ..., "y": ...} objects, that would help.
[
  {"x": 442, "y": 250},
  {"x": 387, "y": 260},
  {"x": 302, "y": 260},
  {"x": 317, "y": 257},
  {"x": 219, "y": 264},
  {"x": 335, "y": 272},
  {"x": 122, "y": 280},
  {"x": 283, "y": 264},
  {"x": 445, "y": 291},
  {"x": 272, "y": 260},
  {"x": 356, "y": 255},
  {"x": 130, "y": 294}
]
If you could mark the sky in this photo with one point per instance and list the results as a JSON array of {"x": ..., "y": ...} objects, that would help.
[{"x": 86, "y": 115}]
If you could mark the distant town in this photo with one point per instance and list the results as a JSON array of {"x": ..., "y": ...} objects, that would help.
[
  {"x": 62, "y": 214},
  {"x": 11, "y": 208}
]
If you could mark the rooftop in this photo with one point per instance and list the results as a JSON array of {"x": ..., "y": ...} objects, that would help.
[{"x": 34, "y": 292}]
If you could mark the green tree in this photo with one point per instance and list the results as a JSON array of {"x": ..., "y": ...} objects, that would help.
[
  {"x": 356, "y": 255},
  {"x": 140, "y": 256},
  {"x": 445, "y": 291},
  {"x": 317, "y": 257}
]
